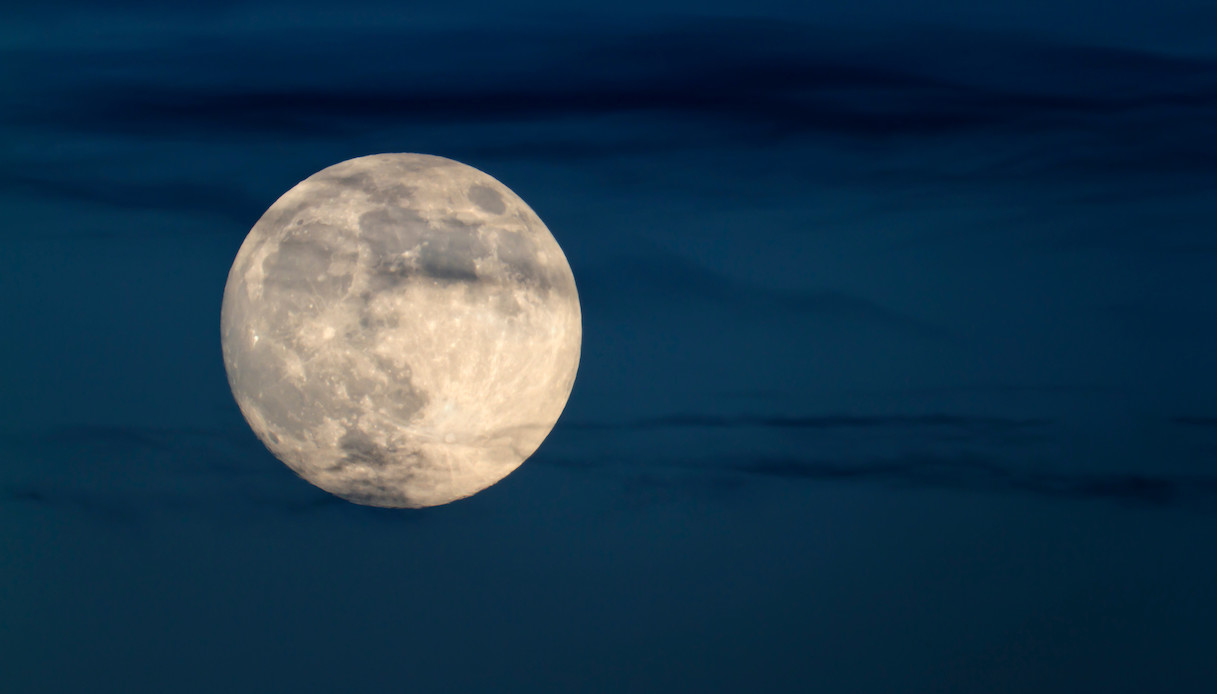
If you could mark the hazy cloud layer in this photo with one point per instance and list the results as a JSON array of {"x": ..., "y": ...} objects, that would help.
[
  {"x": 897, "y": 366},
  {"x": 125, "y": 474},
  {"x": 762, "y": 110},
  {"x": 750, "y": 83}
]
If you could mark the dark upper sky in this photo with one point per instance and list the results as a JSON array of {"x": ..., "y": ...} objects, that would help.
[{"x": 897, "y": 375}]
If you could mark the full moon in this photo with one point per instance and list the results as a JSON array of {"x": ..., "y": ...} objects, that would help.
[{"x": 401, "y": 330}]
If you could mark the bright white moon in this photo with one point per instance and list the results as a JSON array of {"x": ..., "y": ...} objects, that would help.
[{"x": 401, "y": 330}]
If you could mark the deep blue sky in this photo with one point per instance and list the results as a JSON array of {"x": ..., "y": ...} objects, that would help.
[{"x": 897, "y": 368}]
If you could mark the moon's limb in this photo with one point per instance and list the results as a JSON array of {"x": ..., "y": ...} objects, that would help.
[{"x": 401, "y": 330}]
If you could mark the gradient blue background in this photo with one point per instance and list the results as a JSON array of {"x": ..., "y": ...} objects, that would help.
[{"x": 897, "y": 369}]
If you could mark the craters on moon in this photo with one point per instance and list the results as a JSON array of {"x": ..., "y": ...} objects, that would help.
[{"x": 401, "y": 330}]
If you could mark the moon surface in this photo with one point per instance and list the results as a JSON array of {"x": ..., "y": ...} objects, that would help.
[{"x": 401, "y": 330}]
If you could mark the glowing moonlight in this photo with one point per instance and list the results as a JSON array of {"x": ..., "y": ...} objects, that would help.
[{"x": 401, "y": 330}]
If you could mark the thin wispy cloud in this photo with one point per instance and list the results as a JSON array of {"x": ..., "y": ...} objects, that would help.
[
  {"x": 963, "y": 472},
  {"x": 992, "y": 474},
  {"x": 1196, "y": 421},
  {"x": 129, "y": 507},
  {"x": 766, "y": 82},
  {"x": 132, "y": 474},
  {"x": 659, "y": 279},
  {"x": 796, "y": 110},
  {"x": 127, "y": 474},
  {"x": 225, "y": 200},
  {"x": 822, "y": 422}
]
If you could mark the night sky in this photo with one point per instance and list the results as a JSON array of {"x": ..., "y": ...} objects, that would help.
[{"x": 897, "y": 373}]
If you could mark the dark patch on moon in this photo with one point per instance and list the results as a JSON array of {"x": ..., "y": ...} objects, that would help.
[
  {"x": 487, "y": 198},
  {"x": 360, "y": 449},
  {"x": 392, "y": 195},
  {"x": 388, "y": 273},
  {"x": 369, "y": 184},
  {"x": 371, "y": 322},
  {"x": 373, "y": 493},
  {"x": 401, "y": 399},
  {"x": 518, "y": 253},
  {"x": 285, "y": 403},
  {"x": 283, "y": 214},
  {"x": 361, "y": 180},
  {"x": 297, "y": 278},
  {"x": 391, "y": 231},
  {"x": 449, "y": 253},
  {"x": 296, "y": 264}
]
